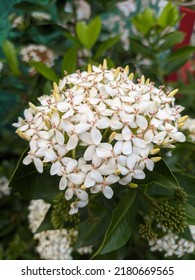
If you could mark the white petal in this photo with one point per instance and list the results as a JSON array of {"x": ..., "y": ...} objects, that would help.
[
  {"x": 96, "y": 176},
  {"x": 63, "y": 183},
  {"x": 127, "y": 148},
  {"x": 106, "y": 169},
  {"x": 82, "y": 203},
  {"x": 103, "y": 123},
  {"x": 141, "y": 121},
  {"x": 55, "y": 168},
  {"x": 112, "y": 179},
  {"x": 96, "y": 136},
  {"x": 55, "y": 119},
  {"x": 95, "y": 189},
  {"x": 148, "y": 136},
  {"x": 80, "y": 128},
  {"x": 86, "y": 138},
  {"x": 72, "y": 163},
  {"x": 76, "y": 178},
  {"x": 126, "y": 180},
  {"x": 89, "y": 182},
  {"x": 102, "y": 153},
  {"x": 45, "y": 134},
  {"x": 72, "y": 142},
  {"x": 131, "y": 161},
  {"x": 38, "y": 164},
  {"x": 59, "y": 137},
  {"x": 158, "y": 138},
  {"x": 118, "y": 147},
  {"x": 69, "y": 194},
  {"x": 139, "y": 142},
  {"x": 27, "y": 160},
  {"x": 89, "y": 152},
  {"x": 63, "y": 106},
  {"x": 82, "y": 195},
  {"x": 50, "y": 155},
  {"x": 108, "y": 192},
  {"x": 149, "y": 164},
  {"x": 126, "y": 132},
  {"x": 178, "y": 136},
  {"x": 139, "y": 174}
]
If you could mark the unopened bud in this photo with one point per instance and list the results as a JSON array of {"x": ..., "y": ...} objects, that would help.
[
  {"x": 126, "y": 70},
  {"x": 105, "y": 64},
  {"x": 55, "y": 87},
  {"x": 117, "y": 172},
  {"x": 112, "y": 136},
  {"x": 183, "y": 119},
  {"x": 156, "y": 159},
  {"x": 33, "y": 107},
  {"x": 173, "y": 92},
  {"x": 116, "y": 72},
  {"x": 83, "y": 187},
  {"x": 142, "y": 80},
  {"x": 131, "y": 76},
  {"x": 180, "y": 125},
  {"x": 154, "y": 151},
  {"x": 89, "y": 69},
  {"x": 23, "y": 135},
  {"x": 148, "y": 81},
  {"x": 133, "y": 185}
]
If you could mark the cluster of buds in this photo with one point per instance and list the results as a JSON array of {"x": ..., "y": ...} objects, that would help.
[
  {"x": 98, "y": 128},
  {"x": 37, "y": 53}
]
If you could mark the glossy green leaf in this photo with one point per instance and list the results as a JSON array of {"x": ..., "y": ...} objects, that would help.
[
  {"x": 45, "y": 71},
  {"x": 46, "y": 223},
  {"x": 11, "y": 57},
  {"x": 6, "y": 6},
  {"x": 69, "y": 62},
  {"x": 186, "y": 235},
  {"x": 144, "y": 21},
  {"x": 105, "y": 45},
  {"x": 121, "y": 225},
  {"x": 169, "y": 16},
  {"x": 32, "y": 185},
  {"x": 190, "y": 213},
  {"x": 88, "y": 34},
  {"x": 170, "y": 40},
  {"x": 187, "y": 182},
  {"x": 96, "y": 226}
]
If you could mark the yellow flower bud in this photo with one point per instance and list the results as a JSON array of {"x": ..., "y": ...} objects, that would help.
[
  {"x": 131, "y": 76},
  {"x": 155, "y": 159},
  {"x": 142, "y": 80},
  {"x": 23, "y": 135},
  {"x": 126, "y": 71},
  {"x": 89, "y": 69},
  {"x": 112, "y": 136},
  {"x": 154, "y": 151},
  {"x": 117, "y": 172},
  {"x": 173, "y": 92},
  {"x": 133, "y": 185},
  {"x": 183, "y": 119},
  {"x": 105, "y": 64},
  {"x": 33, "y": 107}
]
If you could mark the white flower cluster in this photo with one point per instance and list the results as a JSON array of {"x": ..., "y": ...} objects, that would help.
[
  {"x": 99, "y": 128},
  {"x": 37, "y": 53},
  {"x": 171, "y": 244},
  {"x": 52, "y": 244},
  {"x": 189, "y": 126},
  {"x": 4, "y": 190}
]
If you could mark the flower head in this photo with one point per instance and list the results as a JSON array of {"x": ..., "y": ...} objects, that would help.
[{"x": 97, "y": 129}]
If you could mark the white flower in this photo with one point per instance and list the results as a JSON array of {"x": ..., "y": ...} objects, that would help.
[{"x": 97, "y": 129}]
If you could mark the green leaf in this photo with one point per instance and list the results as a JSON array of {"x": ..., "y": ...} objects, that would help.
[
  {"x": 46, "y": 223},
  {"x": 5, "y": 7},
  {"x": 96, "y": 229},
  {"x": 137, "y": 47},
  {"x": 69, "y": 62},
  {"x": 186, "y": 235},
  {"x": 45, "y": 71},
  {"x": 169, "y": 16},
  {"x": 32, "y": 185},
  {"x": 190, "y": 213},
  {"x": 188, "y": 184},
  {"x": 88, "y": 34},
  {"x": 144, "y": 21},
  {"x": 177, "y": 59},
  {"x": 105, "y": 45},
  {"x": 121, "y": 225},
  {"x": 170, "y": 40},
  {"x": 161, "y": 175},
  {"x": 11, "y": 56}
]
